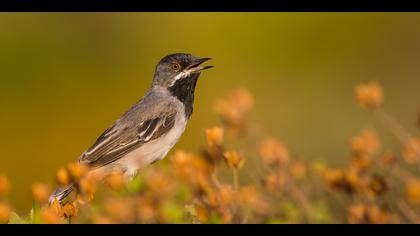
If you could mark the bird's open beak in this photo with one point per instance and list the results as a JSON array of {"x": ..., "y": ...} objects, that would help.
[{"x": 196, "y": 66}]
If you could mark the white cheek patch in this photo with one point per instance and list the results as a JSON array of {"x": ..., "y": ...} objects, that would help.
[{"x": 181, "y": 75}]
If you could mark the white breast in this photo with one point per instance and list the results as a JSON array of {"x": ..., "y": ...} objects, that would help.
[{"x": 154, "y": 150}]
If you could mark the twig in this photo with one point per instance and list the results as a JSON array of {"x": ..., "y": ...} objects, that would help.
[
  {"x": 300, "y": 196},
  {"x": 397, "y": 129},
  {"x": 411, "y": 215},
  {"x": 394, "y": 126},
  {"x": 215, "y": 179},
  {"x": 235, "y": 179},
  {"x": 401, "y": 173}
]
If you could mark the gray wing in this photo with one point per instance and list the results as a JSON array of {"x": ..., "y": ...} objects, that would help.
[{"x": 120, "y": 139}]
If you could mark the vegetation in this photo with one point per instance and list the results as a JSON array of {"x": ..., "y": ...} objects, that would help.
[{"x": 222, "y": 184}]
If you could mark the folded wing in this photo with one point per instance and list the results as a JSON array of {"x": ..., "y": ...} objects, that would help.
[{"x": 119, "y": 140}]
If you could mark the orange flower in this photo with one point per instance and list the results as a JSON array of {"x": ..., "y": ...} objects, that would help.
[
  {"x": 214, "y": 136},
  {"x": 213, "y": 152},
  {"x": 369, "y": 96},
  {"x": 87, "y": 189},
  {"x": 249, "y": 195},
  {"x": 275, "y": 182},
  {"x": 234, "y": 160},
  {"x": 298, "y": 170},
  {"x": 63, "y": 177},
  {"x": 69, "y": 210},
  {"x": 50, "y": 216},
  {"x": 362, "y": 214},
  {"x": 377, "y": 186},
  {"x": 333, "y": 178},
  {"x": 226, "y": 195},
  {"x": 199, "y": 183},
  {"x": 412, "y": 190},
  {"x": 357, "y": 214},
  {"x": 5, "y": 212},
  {"x": 201, "y": 165},
  {"x": 146, "y": 211},
  {"x": 361, "y": 162},
  {"x": 234, "y": 107},
  {"x": 192, "y": 170},
  {"x": 347, "y": 181},
  {"x": 101, "y": 219},
  {"x": 4, "y": 185},
  {"x": 227, "y": 215},
  {"x": 121, "y": 210},
  {"x": 116, "y": 180},
  {"x": 159, "y": 183},
  {"x": 222, "y": 200},
  {"x": 182, "y": 164},
  {"x": 271, "y": 183},
  {"x": 352, "y": 182},
  {"x": 202, "y": 213},
  {"x": 273, "y": 152},
  {"x": 377, "y": 215},
  {"x": 182, "y": 158},
  {"x": 40, "y": 192},
  {"x": 366, "y": 143},
  {"x": 56, "y": 207},
  {"x": 412, "y": 151},
  {"x": 223, "y": 197},
  {"x": 389, "y": 158},
  {"x": 77, "y": 170}
]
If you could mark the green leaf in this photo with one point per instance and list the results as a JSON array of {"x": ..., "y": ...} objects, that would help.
[
  {"x": 16, "y": 219},
  {"x": 190, "y": 209},
  {"x": 192, "y": 212},
  {"x": 276, "y": 221},
  {"x": 183, "y": 193},
  {"x": 292, "y": 212},
  {"x": 136, "y": 185},
  {"x": 31, "y": 214},
  {"x": 172, "y": 212},
  {"x": 215, "y": 219},
  {"x": 320, "y": 213}
]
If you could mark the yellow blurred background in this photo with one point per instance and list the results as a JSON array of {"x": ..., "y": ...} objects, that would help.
[{"x": 65, "y": 77}]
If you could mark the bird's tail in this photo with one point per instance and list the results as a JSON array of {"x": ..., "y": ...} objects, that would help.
[{"x": 60, "y": 193}]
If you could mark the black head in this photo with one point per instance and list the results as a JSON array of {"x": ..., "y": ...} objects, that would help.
[
  {"x": 179, "y": 73},
  {"x": 178, "y": 66}
]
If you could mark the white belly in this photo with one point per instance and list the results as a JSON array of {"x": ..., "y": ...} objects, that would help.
[{"x": 152, "y": 151}]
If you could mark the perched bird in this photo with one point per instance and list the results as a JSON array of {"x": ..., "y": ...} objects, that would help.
[{"x": 151, "y": 127}]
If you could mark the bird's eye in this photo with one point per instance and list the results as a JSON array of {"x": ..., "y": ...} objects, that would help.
[{"x": 175, "y": 66}]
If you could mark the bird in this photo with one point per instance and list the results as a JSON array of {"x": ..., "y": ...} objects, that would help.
[{"x": 151, "y": 127}]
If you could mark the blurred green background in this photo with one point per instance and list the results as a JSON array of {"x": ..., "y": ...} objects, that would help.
[{"x": 65, "y": 77}]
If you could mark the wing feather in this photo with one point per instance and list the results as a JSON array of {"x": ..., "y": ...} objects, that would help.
[{"x": 118, "y": 141}]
